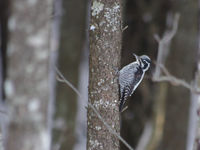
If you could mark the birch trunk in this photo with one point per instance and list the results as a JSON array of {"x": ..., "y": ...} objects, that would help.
[
  {"x": 193, "y": 141},
  {"x": 27, "y": 84}
]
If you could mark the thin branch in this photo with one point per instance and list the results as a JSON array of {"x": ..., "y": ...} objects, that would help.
[
  {"x": 173, "y": 80},
  {"x": 63, "y": 79},
  {"x": 164, "y": 44},
  {"x": 164, "y": 69},
  {"x": 124, "y": 28},
  {"x": 170, "y": 34},
  {"x": 163, "y": 49},
  {"x": 124, "y": 109}
]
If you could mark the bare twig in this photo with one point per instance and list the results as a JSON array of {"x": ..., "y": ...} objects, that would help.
[
  {"x": 124, "y": 109},
  {"x": 124, "y": 28},
  {"x": 163, "y": 49},
  {"x": 164, "y": 69},
  {"x": 63, "y": 79},
  {"x": 163, "y": 46},
  {"x": 173, "y": 80}
]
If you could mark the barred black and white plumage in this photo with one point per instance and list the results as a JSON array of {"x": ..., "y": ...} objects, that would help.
[{"x": 130, "y": 77}]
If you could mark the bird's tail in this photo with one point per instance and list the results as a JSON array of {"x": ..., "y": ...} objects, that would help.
[
  {"x": 121, "y": 104},
  {"x": 123, "y": 98},
  {"x": 122, "y": 101}
]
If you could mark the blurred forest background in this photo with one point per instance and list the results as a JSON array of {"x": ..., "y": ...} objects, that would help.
[{"x": 160, "y": 115}]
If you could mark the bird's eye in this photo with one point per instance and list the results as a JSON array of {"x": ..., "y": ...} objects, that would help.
[{"x": 146, "y": 61}]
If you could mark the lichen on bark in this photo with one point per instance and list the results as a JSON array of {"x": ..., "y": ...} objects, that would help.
[{"x": 105, "y": 46}]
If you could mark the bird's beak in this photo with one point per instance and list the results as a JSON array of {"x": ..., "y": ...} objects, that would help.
[{"x": 136, "y": 57}]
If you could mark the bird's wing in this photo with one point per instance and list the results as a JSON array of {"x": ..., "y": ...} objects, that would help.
[{"x": 129, "y": 79}]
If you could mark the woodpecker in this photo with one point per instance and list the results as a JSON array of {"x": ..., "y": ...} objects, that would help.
[{"x": 130, "y": 77}]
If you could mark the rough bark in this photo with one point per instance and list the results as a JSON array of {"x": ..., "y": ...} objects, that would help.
[
  {"x": 105, "y": 46},
  {"x": 27, "y": 83}
]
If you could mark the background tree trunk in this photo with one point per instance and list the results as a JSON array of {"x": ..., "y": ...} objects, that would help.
[
  {"x": 72, "y": 38},
  {"x": 181, "y": 63},
  {"x": 27, "y": 85},
  {"x": 144, "y": 19},
  {"x": 193, "y": 140},
  {"x": 105, "y": 46},
  {"x": 4, "y": 13}
]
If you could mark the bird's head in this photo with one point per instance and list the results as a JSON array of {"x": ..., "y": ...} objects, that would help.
[{"x": 144, "y": 61}]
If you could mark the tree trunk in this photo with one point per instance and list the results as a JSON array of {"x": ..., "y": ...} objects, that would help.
[
  {"x": 105, "y": 46},
  {"x": 193, "y": 140},
  {"x": 72, "y": 34},
  {"x": 144, "y": 19},
  {"x": 27, "y": 84},
  {"x": 4, "y": 12},
  {"x": 181, "y": 64}
]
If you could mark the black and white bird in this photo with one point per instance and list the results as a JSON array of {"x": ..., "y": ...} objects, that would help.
[{"x": 130, "y": 77}]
